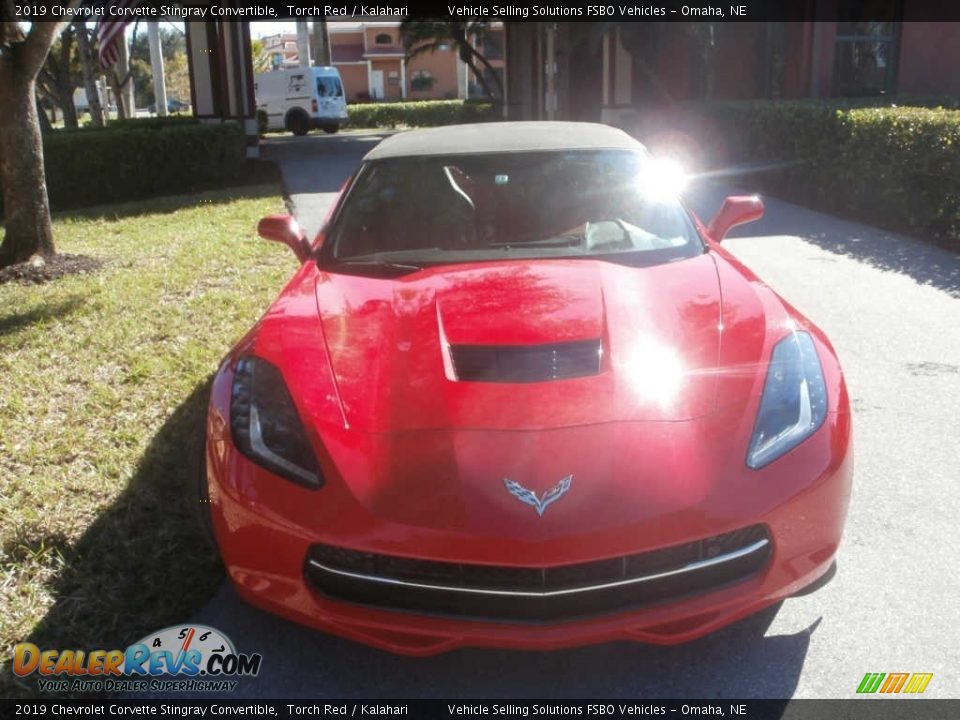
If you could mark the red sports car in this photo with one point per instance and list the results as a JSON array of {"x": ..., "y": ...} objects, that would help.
[{"x": 517, "y": 395}]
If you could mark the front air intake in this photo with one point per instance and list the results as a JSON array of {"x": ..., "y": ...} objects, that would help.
[
  {"x": 526, "y": 363},
  {"x": 507, "y": 593}
]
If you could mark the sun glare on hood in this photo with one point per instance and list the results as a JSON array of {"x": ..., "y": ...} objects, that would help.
[{"x": 655, "y": 372}]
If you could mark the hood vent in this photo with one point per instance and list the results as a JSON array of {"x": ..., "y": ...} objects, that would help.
[{"x": 526, "y": 363}]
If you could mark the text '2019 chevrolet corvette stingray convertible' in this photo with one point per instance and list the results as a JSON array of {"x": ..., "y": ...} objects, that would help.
[{"x": 517, "y": 395}]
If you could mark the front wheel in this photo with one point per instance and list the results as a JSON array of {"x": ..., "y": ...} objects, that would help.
[{"x": 331, "y": 129}]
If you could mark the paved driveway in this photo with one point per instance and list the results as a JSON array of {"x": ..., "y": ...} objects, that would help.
[{"x": 892, "y": 308}]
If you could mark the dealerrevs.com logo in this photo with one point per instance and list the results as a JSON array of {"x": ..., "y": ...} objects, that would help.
[{"x": 177, "y": 658}]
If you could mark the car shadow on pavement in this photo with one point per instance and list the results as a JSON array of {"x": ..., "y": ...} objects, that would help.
[
  {"x": 298, "y": 662},
  {"x": 143, "y": 564},
  {"x": 926, "y": 263}
]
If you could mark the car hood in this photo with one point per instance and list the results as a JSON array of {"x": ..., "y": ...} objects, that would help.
[{"x": 392, "y": 343}]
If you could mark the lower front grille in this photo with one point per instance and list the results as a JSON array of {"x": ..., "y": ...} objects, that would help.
[{"x": 527, "y": 594}]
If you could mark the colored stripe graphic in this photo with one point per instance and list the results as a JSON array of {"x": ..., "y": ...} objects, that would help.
[
  {"x": 918, "y": 682},
  {"x": 870, "y": 682},
  {"x": 894, "y": 683}
]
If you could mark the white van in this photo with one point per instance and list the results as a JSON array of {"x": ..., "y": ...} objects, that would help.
[{"x": 301, "y": 99}]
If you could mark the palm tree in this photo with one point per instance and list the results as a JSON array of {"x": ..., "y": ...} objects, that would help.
[
  {"x": 260, "y": 56},
  {"x": 427, "y": 36}
]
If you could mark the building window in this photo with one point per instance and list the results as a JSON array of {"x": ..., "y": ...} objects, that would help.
[
  {"x": 421, "y": 80},
  {"x": 383, "y": 39},
  {"x": 866, "y": 51}
]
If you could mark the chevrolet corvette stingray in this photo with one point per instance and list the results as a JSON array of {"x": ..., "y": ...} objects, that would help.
[{"x": 518, "y": 395}]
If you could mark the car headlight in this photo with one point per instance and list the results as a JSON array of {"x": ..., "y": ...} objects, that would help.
[
  {"x": 794, "y": 401},
  {"x": 265, "y": 424}
]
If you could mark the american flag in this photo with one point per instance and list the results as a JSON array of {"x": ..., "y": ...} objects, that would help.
[{"x": 110, "y": 33}]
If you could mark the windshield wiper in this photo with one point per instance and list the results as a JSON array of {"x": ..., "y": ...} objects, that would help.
[{"x": 555, "y": 241}]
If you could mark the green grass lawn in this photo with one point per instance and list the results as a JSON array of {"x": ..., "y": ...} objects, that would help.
[{"x": 103, "y": 384}]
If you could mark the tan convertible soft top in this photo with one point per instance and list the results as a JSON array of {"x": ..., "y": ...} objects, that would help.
[{"x": 499, "y": 137}]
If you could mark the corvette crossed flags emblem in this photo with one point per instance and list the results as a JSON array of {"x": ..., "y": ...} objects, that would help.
[{"x": 530, "y": 497}]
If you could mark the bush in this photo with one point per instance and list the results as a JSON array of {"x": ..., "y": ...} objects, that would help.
[
  {"x": 425, "y": 113},
  {"x": 897, "y": 167},
  {"x": 138, "y": 158},
  {"x": 153, "y": 121}
]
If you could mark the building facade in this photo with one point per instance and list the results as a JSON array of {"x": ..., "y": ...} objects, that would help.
[
  {"x": 606, "y": 71},
  {"x": 282, "y": 50},
  {"x": 372, "y": 63}
]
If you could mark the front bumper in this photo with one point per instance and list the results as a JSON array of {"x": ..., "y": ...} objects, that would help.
[{"x": 267, "y": 529}]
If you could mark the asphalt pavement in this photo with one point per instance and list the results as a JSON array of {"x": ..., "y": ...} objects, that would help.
[{"x": 891, "y": 306}]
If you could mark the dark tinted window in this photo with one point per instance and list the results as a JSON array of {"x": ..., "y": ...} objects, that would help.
[{"x": 329, "y": 86}]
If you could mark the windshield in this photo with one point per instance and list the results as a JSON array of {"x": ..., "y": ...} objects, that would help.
[
  {"x": 418, "y": 211},
  {"x": 329, "y": 86}
]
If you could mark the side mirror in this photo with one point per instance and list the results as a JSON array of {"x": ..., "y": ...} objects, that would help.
[
  {"x": 284, "y": 229},
  {"x": 736, "y": 210}
]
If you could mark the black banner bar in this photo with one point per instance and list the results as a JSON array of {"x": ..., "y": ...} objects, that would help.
[
  {"x": 511, "y": 11},
  {"x": 873, "y": 708}
]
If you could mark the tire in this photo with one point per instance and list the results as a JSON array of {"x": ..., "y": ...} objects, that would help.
[
  {"x": 298, "y": 123},
  {"x": 330, "y": 129}
]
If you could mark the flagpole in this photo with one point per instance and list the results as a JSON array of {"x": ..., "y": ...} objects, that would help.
[{"x": 156, "y": 65}]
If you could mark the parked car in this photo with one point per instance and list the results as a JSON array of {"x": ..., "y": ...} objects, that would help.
[
  {"x": 301, "y": 99},
  {"x": 518, "y": 395},
  {"x": 173, "y": 106}
]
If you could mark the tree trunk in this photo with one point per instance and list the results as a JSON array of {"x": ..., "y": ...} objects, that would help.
[
  {"x": 118, "y": 95},
  {"x": 466, "y": 56},
  {"x": 27, "y": 210},
  {"x": 89, "y": 79},
  {"x": 321, "y": 42},
  {"x": 122, "y": 80},
  {"x": 493, "y": 74},
  {"x": 67, "y": 106},
  {"x": 481, "y": 78},
  {"x": 64, "y": 83},
  {"x": 45, "y": 126},
  {"x": 469, "y": 54}
]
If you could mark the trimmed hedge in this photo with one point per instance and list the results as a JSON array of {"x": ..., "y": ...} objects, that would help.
[
  {"x": 425, "y": 113},
  {"x": 153, "y": 121},
  {"x": 138, "y": 159},
  {"x": 897, "y": 167}
]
